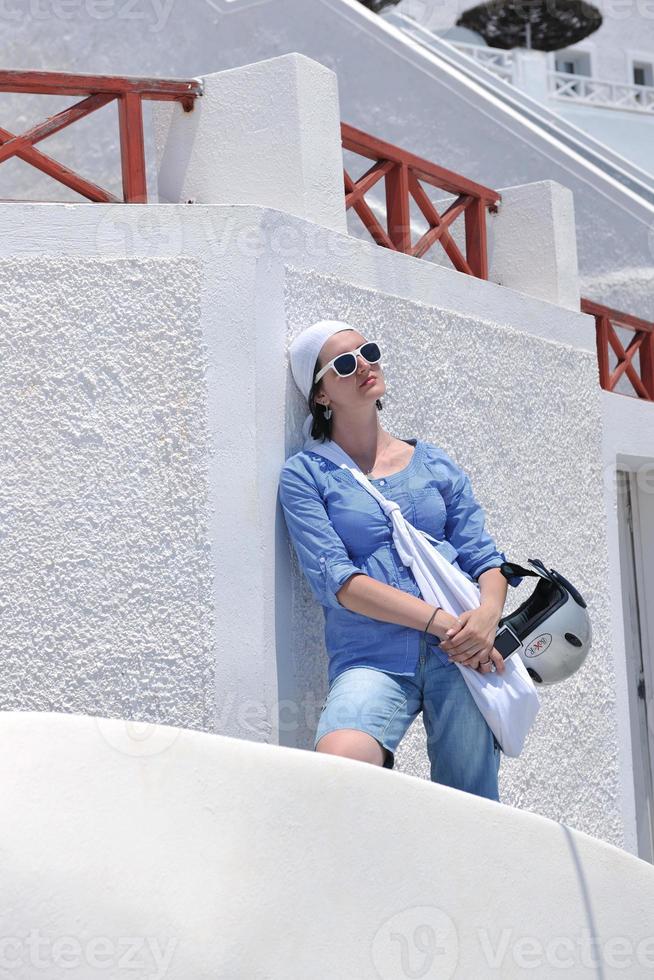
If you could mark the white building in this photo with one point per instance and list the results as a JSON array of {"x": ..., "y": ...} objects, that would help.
[
  {"x": 148, "y": 408},
  {"x": 602, "y": 85}
]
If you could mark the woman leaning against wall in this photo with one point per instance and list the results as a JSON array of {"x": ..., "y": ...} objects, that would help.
[{"x": 383, "y": 668}]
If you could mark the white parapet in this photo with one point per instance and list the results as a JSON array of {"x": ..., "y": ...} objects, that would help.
[
  {"x": 530, "y": 72},
  {"x": 183, "y": 855},
  {"x": 533, "y": 244},
  {"x": 265, "y": 134}
]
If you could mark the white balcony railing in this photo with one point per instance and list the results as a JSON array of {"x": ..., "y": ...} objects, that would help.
[
  {"x": 497, "y": 60},
  {"x": 594, "y": 92},
  {"x": 565, "y": 85}
]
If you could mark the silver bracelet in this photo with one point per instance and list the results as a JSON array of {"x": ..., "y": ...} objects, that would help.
[{"x": 430, "y": 619}]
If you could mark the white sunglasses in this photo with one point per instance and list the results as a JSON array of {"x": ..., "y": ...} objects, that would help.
[{"x": 346, "y": 364}]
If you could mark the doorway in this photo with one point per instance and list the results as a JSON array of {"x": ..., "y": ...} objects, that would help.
[{"x": 636, "y": 535}]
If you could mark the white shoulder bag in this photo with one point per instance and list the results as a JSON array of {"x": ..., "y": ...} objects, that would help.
[{"x": 508, "y": 701}]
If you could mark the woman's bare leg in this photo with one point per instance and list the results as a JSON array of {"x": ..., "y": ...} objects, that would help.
[{"x": 353, "y": 744}]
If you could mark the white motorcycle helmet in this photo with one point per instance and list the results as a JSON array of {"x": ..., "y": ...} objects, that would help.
[{"x": 551, "y": 630}]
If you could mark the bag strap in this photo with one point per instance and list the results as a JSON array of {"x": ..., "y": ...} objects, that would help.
[
  {"x": 510, "y": 568},
  {"x": 333, "y": 452}
]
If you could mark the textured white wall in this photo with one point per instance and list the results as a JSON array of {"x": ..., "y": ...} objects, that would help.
[
  {"x": 523, "y": 416},
  {"x": 105, "y": 582},
  {"x": 286, "y": 109},
  {"x": 166, "y": 853},
  {"x": 504, "y": 382},
  {"x": 531, "y": 234},
  {"x": 533, "y": 243}
]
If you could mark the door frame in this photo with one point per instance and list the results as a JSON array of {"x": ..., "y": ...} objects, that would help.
[{"x": 635, "y": 518}]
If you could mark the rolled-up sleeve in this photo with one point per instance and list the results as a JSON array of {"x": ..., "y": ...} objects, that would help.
[
  {"x": 320, "y": 551},
  {"x": 465, "y": 528}
]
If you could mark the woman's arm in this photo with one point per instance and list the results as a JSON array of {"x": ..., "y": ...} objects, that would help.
[
  {"x": 334, "y": 579},
  {"x": 493, "y": 588},
  {"x": 465, "y": 529},
  {"x": 473, "y": 638},
  {"x": 366, "y": 595}
]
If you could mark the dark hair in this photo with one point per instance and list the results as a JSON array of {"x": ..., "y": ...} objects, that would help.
[{"x": 321, "y": 428}]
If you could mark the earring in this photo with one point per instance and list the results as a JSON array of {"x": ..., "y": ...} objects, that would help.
[{"x": 328, "y": 412}]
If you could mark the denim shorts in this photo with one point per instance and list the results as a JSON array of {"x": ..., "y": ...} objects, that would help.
[{"x": 462, "y": 749}]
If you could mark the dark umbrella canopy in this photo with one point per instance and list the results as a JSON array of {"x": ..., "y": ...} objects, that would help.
[
  {"x": 377, "y": 5},
  {"x": 547, "y": 25}
]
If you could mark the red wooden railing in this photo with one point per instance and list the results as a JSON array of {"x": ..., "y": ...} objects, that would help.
[
  {"x": 606, "y": 320},
  {"x": 100, "y": 91},
  {"x": 402, "y": 173}
]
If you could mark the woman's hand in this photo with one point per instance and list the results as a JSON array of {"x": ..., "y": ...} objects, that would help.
[{"x": 470, "y": 640}]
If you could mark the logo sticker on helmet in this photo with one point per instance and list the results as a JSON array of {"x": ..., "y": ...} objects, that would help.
[{"x": 539, "y": 645}]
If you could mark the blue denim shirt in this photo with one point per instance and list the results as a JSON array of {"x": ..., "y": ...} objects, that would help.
[{"x": 338, "y": 528}]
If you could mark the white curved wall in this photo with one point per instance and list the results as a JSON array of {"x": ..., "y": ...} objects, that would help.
[{"x": 161, "y": 852}]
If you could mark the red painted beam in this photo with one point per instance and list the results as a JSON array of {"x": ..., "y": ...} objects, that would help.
[
  {"x": 100, "y": 90},
  {"x": 65, "y": 83},
  {"x": 369, "y": 146}
]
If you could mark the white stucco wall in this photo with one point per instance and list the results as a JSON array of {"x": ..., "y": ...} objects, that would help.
[
  {"x": 285, "y": 110},
  {"x": 159, "y": 852},
  {"x": 537, "y": 473},
  {"x": 105, "y": 581},
  {"x": 504, "y": 382}
]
